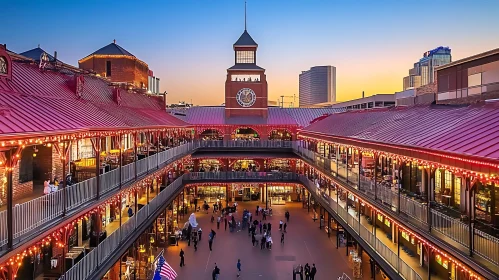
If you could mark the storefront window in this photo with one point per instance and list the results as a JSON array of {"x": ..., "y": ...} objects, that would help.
[
  {"x": 438, "y": 185},
  {"x": 246, "y": 165},
  {"x": 211, "y": 193},
  {"x": 441, "y": 261},
  {"x": 380, "y": 217},
  {"x": 483, "y": 202},
  {"x": 279, "y": 195},
  {"x": 457, "y": 191},
  {"x": 342, "y": 161}
]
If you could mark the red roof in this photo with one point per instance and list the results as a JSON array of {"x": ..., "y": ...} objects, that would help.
[
  {"x": 36, "y": 101},
  {"x": 468, "y": 130},
  {"x": 21, "y": 114},
  {"x": 201, "y": 115}
]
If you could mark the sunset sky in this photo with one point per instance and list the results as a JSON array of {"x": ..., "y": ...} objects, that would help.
[{"x": 188, "y": 44}]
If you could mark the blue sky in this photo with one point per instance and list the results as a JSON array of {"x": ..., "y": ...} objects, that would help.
[{"x": 188, "y": 43}]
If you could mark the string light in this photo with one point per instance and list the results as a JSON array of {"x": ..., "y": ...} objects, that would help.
[{"x": 386, "y": 216}]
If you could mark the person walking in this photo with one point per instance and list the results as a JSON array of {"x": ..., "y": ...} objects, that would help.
[
  {"x": 262, "y": 242},
  {"x": 260, "y": 225},
  {"x": 182, "y": 262},
  {"x": 195, "y": 244},
  {"x": 287, "y": 216},
  {"x": 313, "y": 272},
  {"x": 225, "y": 220},
  {"x": 257, "y": 209},
  {"x": 282, "y": 238},
  {"x": 307, "y": 271},
  {"x": 216, "y": 272},
  {"x": 218, "y": 222},
  {"x": 238, "y": 268},
  {"x": 253, "y": 239},
  {"x": 280, "y": 225},
  {"x": 269, "y": 227}
]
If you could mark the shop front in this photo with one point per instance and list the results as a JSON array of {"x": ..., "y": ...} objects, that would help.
[
  {"x": 211, "y": 165},
  {"x": 245, "y": 165},
  {"x": 212, "y": 194},
  {"x": 282, "y": 194}
]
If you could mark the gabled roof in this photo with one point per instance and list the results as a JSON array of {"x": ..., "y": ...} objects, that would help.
[
  {"x": 245, "y": 40},
  {"x": 467, "y": 130},
  {"x": 112, "y": 49},
  {"x": 36, "y": 53}
]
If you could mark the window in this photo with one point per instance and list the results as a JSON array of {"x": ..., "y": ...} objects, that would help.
[
  {"x": 457, "y": 191},
  {"x": 245, "y": 57},
  {"x": 26, "y": 166},
  {"x": 3, "y": 65},
  {"x": 108, "y": 68},
  {"x": 475, "y": 80},
  {"x": 438, "y": 185}
]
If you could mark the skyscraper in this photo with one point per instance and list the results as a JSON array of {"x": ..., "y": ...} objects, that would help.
[
  {"x": 423, "y": 71},
  {"x": 317, "y": 85}
]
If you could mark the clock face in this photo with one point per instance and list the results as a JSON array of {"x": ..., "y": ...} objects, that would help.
[{"x": 246, "y": 97}]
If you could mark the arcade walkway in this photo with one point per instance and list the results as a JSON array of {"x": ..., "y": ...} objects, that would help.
[{"x": 304, "y": 243}]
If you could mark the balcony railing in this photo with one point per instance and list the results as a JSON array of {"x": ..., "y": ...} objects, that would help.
[
  {"x": 91, "y": 262},
  {"x": 30, "y": 215},
  {"x": 256, "y": 176},
  {"x": 354, "y": 223},
  {"x": 485, "y": 245}
]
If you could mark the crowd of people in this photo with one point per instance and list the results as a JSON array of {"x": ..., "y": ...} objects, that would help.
[{"x": 259, "y": 229}]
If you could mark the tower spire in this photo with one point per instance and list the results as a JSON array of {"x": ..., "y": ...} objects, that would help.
[{"x": 244, "y": 15}]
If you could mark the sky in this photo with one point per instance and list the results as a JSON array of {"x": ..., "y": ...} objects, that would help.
[{"x": 188, "y": 43}]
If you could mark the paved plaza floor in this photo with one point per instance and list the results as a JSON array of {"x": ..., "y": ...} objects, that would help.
[{"x": 304, "y": 243}]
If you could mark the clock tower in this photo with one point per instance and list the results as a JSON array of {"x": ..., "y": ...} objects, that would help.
[{"x": 246, "y": 84}]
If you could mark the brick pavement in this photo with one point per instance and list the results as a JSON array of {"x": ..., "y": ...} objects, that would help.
[{"x": 304, "y": 243}]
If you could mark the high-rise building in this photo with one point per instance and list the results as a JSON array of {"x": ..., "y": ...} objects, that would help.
[
  {"x": 153, "y": 83},
  {"x": 423, "y": 71},
  {"x": 318, "y": 85}
]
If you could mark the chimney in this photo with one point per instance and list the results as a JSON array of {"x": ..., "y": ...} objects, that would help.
[
  {"x": 55, "y": 56},
  {"x": 362, "y": 94}
]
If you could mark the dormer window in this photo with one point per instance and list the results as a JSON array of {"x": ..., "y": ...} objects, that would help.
[
  {"x": 245, "y": 57},
  {"x": 3, "y": 65}
]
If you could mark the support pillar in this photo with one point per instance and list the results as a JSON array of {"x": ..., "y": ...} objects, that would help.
[
  {"x": 429, "y": 199},
  {"x": 135, "y": 154},
  {"x": 10, "y": 205},
  {"x": 346, "y": 168},
  {"x": 308, "y": 202},
  {"x": 96, "y": 146},
  {"x": 471, "y": 216},
  {"x": 376, "y": 158},
  {"x": 120, "y": 162},
  {"x": 266, "y": 196}
]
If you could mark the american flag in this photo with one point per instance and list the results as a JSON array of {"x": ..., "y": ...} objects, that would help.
[{"x": 164, "y": 269}]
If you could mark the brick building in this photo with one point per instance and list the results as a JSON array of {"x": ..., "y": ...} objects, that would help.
[{"x": 117, "y": 64}]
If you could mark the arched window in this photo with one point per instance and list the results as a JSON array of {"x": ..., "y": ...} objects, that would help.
[{"x": 3, "y": 65}]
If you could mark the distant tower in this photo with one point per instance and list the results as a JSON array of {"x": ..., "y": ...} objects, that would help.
[{"x": 246, "y": 84}]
